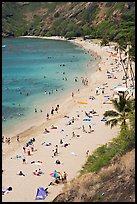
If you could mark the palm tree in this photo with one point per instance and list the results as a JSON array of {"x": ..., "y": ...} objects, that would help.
[
  {"x": 123, "y": 107},
  {"x": 121, "y": 48},
  {"x": 126, "y": 45}
]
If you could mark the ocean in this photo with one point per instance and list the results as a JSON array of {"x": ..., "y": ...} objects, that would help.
[{"x": 36, "y": 73}]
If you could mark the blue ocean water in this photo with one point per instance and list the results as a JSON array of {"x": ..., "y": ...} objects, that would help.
[{"x": 36, "y": 72}]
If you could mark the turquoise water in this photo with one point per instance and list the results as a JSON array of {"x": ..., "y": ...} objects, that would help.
[{"x": 32, "y": 66}]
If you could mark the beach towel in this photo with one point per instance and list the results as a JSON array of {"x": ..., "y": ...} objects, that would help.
[
  {"x": 41, "y": 194},
  {"x": 82, "y": 102},
  {"x": 87, "y": 119}
]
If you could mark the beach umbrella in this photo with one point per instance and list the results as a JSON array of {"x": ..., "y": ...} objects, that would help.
[
  {"x": 55, "y": 174},
  {"x": 119, "y": 84},
  {"x": 123, "y": 89}
]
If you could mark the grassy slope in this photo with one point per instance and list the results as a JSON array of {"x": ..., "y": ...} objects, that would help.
[
  {"x": 115, "y": 183},
  {"x": 68, "y": 18}
]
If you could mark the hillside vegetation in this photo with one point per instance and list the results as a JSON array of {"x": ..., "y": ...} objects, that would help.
[
  {"x": 70, "y": 19},
  {"x": 109, "y": 173},
  {"x": 115, "y": 183}
]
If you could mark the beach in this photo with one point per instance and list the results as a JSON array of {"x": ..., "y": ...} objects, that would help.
[{"x": 73, "y": 156}]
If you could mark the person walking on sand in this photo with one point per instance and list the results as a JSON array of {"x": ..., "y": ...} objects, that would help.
[
  {"x": 47, "y": 116},
  {"x": 24, "y": 159},
  {"x": 9, "y": 140},
  {"x": 3, "y": 139},
  {"x": 29, "y": 152},
  {"x": 24, "y": 149},
  {"x": 72, "y": 94},
  {"x": 56, "y": 109},
  {"x": 83, "y": 127},
  {"x": 64, "y": 177},
  {"x": 87, "y": 153},
  {"x": 73, "y": 134},
  {"x": 52, "y": 111},
  {"x": 56, "y": 149},
  {"x": 18, "y": 138},
  {"x": 90, "y": 129}
]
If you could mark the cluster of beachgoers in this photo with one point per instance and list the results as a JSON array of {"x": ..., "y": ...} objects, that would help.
[{"x": 40, "y": 162}]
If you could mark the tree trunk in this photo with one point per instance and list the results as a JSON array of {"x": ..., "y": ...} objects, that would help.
[
  {"x": 132, "y": 73},
  {"x": 123, "y": 68}
]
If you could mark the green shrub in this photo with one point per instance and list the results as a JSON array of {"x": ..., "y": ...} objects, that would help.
[{"x": 104, "y": 154}]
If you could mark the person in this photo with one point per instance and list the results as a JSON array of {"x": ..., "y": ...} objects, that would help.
[
  {"x": 72, "y": 94},
  {"x": 83, "y": 128},
  {"x": 47, "y": 116},
  {"x": 33, "y": 139},
  {"x": 6, "y": 140},
  {"x": 72, "y": 120},
  {"x": 24, "y": 149},
  {"x": 21, "y": 173},
  {"x": 36, "y": 173},
  {"x": 46, "y": 130},
  {"x": 6, "y": 190},
  {"x": 46, "y": 191},
  {"x": 24, "y": 159},
  {"x": 29, "y": 152},
  {"x": 18, "y": 138},
  {"x": 52, "y": 111},
  {"x": 61, "y": 141},
  {"x": 73, "y": 134},
  {"x": 32, "y": 147},
  {"x": 66, "y": 144},
  {"x": 56, "y": 109},
  {"x": 40, "y": 171},
  {"x": 64, "y": 177},
  {"x": 48, "y": 144},
  {"x": 57, "y": 161},
  {"x": 9, "y": 140},
  {"x": 56, "y": 149},
  {"x": 90, "y": 129},
  {"x": 57, "y": 180},
  {"x": 2, "y": 139},
  {"x": 87, "y": 153},
  {"x": 97, "y": 90},
  {"x": 55, "y": 153}
]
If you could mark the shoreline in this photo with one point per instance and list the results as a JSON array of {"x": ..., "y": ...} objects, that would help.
[
  {"x": 86, "y": 141},
  {"x": 35, "y": 124}
]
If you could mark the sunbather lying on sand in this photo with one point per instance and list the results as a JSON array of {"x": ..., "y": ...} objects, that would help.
[{"x": 46, "y": 131}]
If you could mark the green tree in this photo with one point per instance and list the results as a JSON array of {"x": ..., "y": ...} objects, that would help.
[
  {"x": 105, "y": 40},
  {"x": 123, "y": 109}
]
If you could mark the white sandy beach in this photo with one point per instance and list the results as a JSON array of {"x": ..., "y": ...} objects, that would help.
[{"x": 73, "y": 156}]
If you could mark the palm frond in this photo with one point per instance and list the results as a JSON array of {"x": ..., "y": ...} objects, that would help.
[
  {"x": 116, "y": 105},
  {"x": 112, "y": 122},
  {"x": 123, "y": 108},
  {"x": 111, "y": 113}
]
